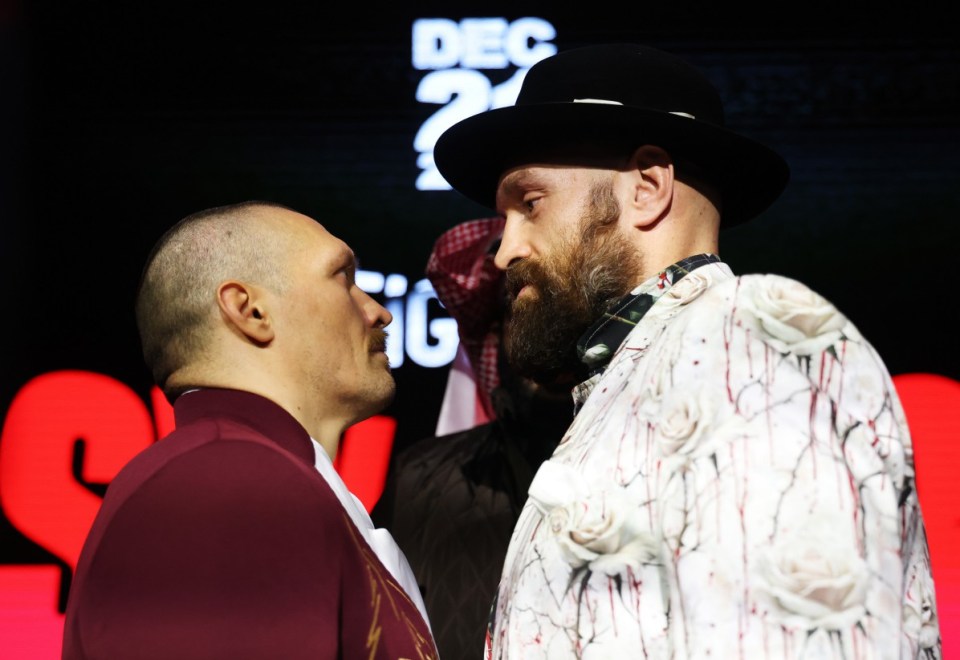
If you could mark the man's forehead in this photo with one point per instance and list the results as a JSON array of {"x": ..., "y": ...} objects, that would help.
[
  {"x": 306, "y": 231},
  {"x": 528, "y": 177},
  {"x": 542, "y": 176},
  {"x": 521, "y": 176}
]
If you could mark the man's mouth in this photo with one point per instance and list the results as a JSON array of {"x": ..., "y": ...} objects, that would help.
[
  {"x": 520, "y": 279},
  {"x": 378, "y": 343},
  {"x": 515, "y": 288}
]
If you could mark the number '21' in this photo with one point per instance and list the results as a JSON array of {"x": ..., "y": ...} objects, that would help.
[{"x": 464, "y": 93}]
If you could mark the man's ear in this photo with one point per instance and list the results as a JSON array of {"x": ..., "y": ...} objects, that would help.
[
  {"x": 244, "y": 308},
  {"x": 649, "y": 182}
]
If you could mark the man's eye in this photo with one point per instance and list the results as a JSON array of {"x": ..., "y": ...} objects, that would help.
[{"x": 531, "y": 203}]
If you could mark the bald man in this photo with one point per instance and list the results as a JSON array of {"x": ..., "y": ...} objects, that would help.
[{"x": 234, "y": 537}]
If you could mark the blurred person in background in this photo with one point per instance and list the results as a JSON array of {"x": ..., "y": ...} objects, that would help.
[{"x": 451, "y": 501}]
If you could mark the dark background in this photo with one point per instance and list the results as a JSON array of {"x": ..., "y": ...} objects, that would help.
[{"x": 120, "y": 118}]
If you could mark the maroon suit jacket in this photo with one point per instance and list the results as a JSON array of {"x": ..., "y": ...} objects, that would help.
[{"x": 223, "y": 541}]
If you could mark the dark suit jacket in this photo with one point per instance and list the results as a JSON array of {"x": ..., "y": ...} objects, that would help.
[{"x": 223, "y": 541}]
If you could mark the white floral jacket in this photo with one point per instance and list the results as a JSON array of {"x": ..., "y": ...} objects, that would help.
[{"x": 739, "y": 483}]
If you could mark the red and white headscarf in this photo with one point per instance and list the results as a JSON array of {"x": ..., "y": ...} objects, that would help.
[{"x": 469, "y": 286}]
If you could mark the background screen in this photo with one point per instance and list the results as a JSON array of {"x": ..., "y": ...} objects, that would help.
[{"x": 121, "y": 118}]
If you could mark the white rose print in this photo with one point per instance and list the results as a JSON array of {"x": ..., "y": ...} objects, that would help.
[
  {"x": 683, "y": 420},
  {"x": 815, "y": 579},
  {"x": 600, "y": 527},
  {"x": 797, "y": 319},
  {"x": 686, "y": 290}
]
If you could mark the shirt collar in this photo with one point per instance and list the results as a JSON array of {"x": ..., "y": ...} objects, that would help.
[
  {"x": 602, "y": 339},
  {"x": 252, "y": 410}
]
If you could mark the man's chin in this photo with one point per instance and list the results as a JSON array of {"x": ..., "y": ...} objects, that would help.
[
  {"x": 389, "y": 387},
  {"x": 554, "y": 378},
  {"x": 543, "y": 367},
  {"x": 380, "y": 397}
]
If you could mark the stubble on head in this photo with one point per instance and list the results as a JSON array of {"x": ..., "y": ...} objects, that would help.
[{"x": 590, "y": 269}]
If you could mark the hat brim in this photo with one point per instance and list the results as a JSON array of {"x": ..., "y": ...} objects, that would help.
[{"x": 473, "y": 154}]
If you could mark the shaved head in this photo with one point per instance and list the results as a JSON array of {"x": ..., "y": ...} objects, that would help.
[{"x": 176, "y": 300}]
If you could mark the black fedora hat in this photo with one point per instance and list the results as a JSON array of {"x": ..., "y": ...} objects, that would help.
[{"x": 612, "y": 98}]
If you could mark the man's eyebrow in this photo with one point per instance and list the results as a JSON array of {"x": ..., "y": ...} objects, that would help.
[
  {"x": 345, "y": 258},
  {"x": 517, "y": 182},
  {"x": 522, "y": 179}
]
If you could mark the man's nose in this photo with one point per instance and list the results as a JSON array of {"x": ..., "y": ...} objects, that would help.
[
  {"x": 377, "y": 315},
  {"x": 513, "y": 245}
]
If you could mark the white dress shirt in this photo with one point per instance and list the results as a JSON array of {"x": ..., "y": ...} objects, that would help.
[{"x": 382, "y": 542}]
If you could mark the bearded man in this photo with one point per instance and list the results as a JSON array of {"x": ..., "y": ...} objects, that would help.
[{"x": 738, "y": 479}]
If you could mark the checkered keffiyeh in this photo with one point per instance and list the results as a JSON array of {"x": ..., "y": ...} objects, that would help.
[{"x": 469, "y": 286}]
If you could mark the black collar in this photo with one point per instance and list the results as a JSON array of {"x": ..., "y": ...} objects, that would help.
[{"x": 602, "y": 339}]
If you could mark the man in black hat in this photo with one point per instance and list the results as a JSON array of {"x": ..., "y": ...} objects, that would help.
[{"x": 738, "y": 480}]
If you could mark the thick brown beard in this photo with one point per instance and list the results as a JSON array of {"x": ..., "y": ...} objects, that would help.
[{"x": 587, "y": 273}]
